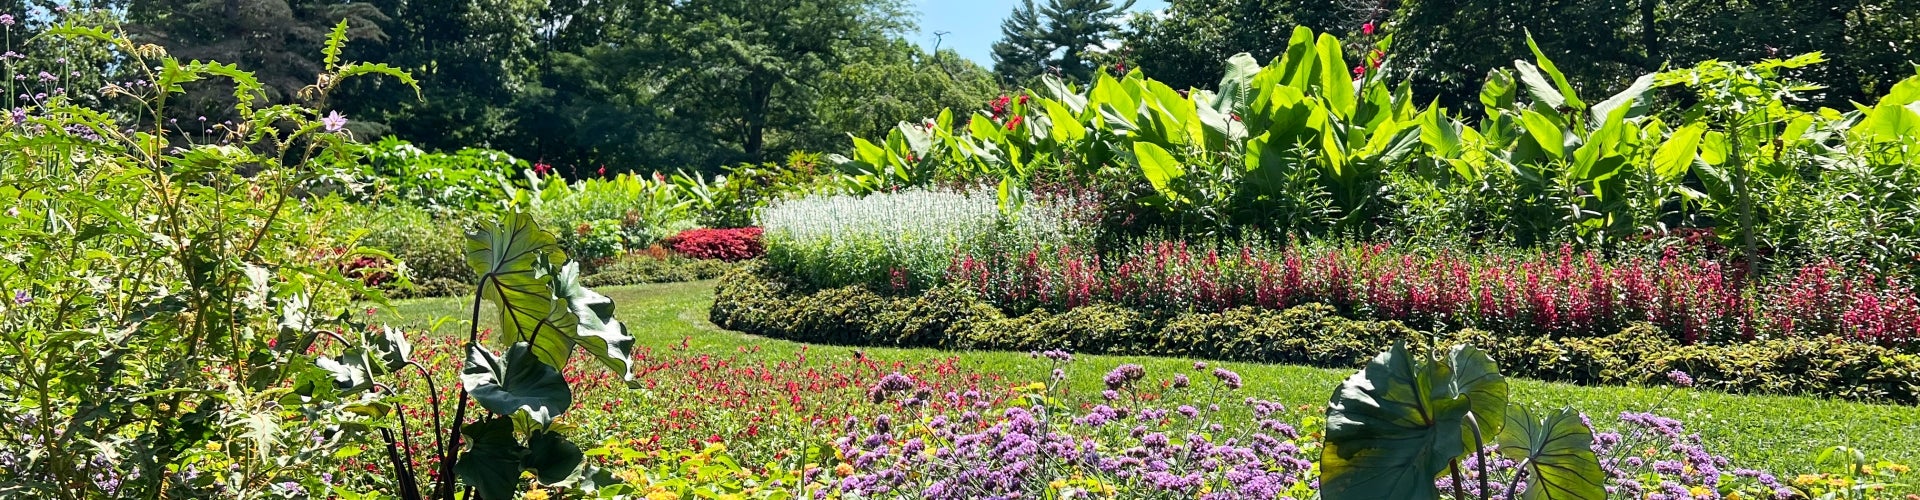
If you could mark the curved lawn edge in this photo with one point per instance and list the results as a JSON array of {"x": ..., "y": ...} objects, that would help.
[{"x": 1782, "y": 434}]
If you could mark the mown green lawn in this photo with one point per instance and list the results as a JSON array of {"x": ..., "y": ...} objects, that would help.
[{"x": 1777, "y": 434}]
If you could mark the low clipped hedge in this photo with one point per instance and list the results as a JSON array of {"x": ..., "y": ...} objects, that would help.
[{"x": 754, "y": 299}]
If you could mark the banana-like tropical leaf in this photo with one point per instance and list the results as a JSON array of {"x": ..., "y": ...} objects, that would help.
[
  {"x": 1551, "y": 138},
  {"x": 1674, "y": 156},
  {"x": 1236, "y": 87},
  {"x": 1398, "y": 423},
  {"x": 1067, "y": 129},
  {"x": 515, "y": 260},
  {"x": 492, "y": 465},
  {"x": 1559, "y": 79},
  {"x": 1499, "y": 91},
  {"x": 518, "y": 383},
  {"x": 1336, "y": 85},
  {"x": 1557, "y": 450},
  {"x": 1161, "y": 169},
  {"x": 1633, "y": 98},
  {"x": 1538, "y": 87}
]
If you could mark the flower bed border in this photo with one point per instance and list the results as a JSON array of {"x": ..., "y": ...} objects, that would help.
[{"x": 755, "y": 299}]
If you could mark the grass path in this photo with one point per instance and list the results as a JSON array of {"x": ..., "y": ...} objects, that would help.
[{"x": 1778, "y": 434}]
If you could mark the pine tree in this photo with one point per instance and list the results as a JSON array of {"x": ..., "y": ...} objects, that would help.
[
  {"x": 1078, "y": 26},
  {"x": 1022, "y": 50},
  {"x": 1056, "y": 37}
]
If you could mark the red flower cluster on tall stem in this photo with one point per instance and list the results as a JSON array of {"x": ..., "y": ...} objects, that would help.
[{"x": 1564, "y": 293}]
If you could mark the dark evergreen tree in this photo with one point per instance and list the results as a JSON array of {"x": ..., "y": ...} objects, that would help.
[
  {"x": 1059, "y": 37},
  {"x": 1023, "y": 50}
]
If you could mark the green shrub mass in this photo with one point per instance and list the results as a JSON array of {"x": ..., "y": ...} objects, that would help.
[{"x": 754, "y": 300}]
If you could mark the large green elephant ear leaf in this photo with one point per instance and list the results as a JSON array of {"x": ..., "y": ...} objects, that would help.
[
  {"x": 492, "y": 467},
  {"x": 1556, "y": 453},
  {"x": 515, "y": 259},
  {"x": 1477, "y": 378},
  {"x": 596, "y": 330},
  {"x": 1386, "y": 435},
  {"x": 518, "y": 383},
  {"x": 552, "y": 457}
]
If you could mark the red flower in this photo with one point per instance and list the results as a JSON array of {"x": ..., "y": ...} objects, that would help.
[
  {"x": 603, "y": 170},
  {"x": 542, "y": 168},
  {"x": 731, "y": 245},
  {"x": 1359, "y": 70},
  {"x": 1367, "y": 29},
  {"x": 1015, "y": 122}
]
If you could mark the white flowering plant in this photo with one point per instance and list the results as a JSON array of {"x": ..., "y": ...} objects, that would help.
[{"x": 902, "y": 240}]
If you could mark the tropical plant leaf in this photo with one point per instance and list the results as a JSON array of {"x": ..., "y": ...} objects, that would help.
[
  {"x": 1399, "y": 422},
  {"x": 1633, "y": 98},
  {"x": 1551, "y": 138},
  {"x": 1537, "y": 86},
  {"x": 596, "y": 330},
  {"x": 1477, "y": 378},
  {"x": 493, "y": 463},
  {"x": 1336, "y": 86},
  {"x": 1557, "y": 453},
  {"x": 514, "y": 259},
  {"x": 1160, "y": 168},
  {"x": 1236, "y": 87},
  {"x": 1499, "y": 91},
  {"x": 518, "y": 383},
  {"x": 1559, "y": 79},
  {"x": 1677, "y": 154},
  {"x": 551, "y": 456}
]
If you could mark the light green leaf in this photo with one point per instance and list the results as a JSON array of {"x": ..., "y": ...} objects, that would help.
[
  {"x": 1674, "y": 156},
  {"x": 596, "y": 331},
  {"x": 1396, "y": 425},
  {"x": 514, "y": 259},
  {"x": 1557, "y": 451},
  {"x": 1551, "y": 138},
  {"x": 1066, "y": 126},
  {"x": 1159, "y": 167},
  {"x": 1559, "y": 79}
]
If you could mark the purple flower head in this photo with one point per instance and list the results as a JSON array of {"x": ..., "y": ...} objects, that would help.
[
  {"x": 6, "y": 19},
  {"x": 22, "y": 297},
  {"x": 1680, "y": 378},
  {"x": 1199, "y": 365},
  {"x": 334, "y": 121},
  {"x": 1124, "y": 375},
  {"x": 1180, "y": 381},
  {"x": 1228, "y": 377}
]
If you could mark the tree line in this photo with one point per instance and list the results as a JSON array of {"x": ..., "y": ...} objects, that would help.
[{"x": 641, "y": 85}]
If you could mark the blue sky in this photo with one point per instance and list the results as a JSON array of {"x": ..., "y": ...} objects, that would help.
[{"x": 971, "y": 26}]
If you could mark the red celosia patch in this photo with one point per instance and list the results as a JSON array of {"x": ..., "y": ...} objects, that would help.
[
  {"x": 731, "y": 245},
  {"x": 1561, "y": 294}
]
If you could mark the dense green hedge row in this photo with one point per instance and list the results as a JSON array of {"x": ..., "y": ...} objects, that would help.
[{"x": 754, "y": 300}]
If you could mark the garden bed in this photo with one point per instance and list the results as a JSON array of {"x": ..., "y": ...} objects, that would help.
[{"x": 757, "y": 300}]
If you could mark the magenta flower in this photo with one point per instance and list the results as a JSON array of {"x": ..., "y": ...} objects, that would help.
[
  {"x": 6, "y": 19},
  {"x": 334, "y": 121},
  {"x": 1367, "y": 29}
]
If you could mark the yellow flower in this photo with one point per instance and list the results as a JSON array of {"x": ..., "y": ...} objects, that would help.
[
  {"x": 213, "y": 446},
  {"x": 1897, "y": 468},
  {"x": 1806, "y": 480},
  {"x": 661, "y": 494},
  {"x": 1058, "y": 484},
  {"x": 535, "y": 494}
]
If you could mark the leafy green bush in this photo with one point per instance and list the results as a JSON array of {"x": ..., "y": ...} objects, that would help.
[
  {"x": 393, "y": 171},
  {"x": 636, "y": 268},
  {"x": 760, "y": 300},
  {"x": 426, "y": 245}
]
